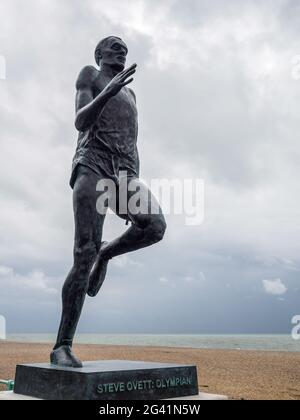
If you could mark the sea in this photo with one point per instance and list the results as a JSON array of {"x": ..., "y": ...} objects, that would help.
[{"x": 198, "y": 341}]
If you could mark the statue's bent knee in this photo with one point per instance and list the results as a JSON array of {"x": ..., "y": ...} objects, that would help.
[{"x": 157, "y": 229}]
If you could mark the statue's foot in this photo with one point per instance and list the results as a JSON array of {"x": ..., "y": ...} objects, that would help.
[
  {"x": 98, "y": 273},
  {"x": 64, "y": 357}
]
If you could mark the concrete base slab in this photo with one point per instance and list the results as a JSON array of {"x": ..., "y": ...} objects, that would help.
[
  {"x": 11, "y": 396},
  {"x": 202, "y": 397}
]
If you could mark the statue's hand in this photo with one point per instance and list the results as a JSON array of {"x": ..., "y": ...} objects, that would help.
[{"x": 119, "y": 81}]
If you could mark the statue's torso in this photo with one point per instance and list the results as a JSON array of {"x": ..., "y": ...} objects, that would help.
[
  {"x": 116, "y": 128},
  {"x": 110, "y": 144}
]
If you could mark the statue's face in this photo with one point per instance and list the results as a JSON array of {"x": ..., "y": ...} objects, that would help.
[{"x": 114, "y": 54}]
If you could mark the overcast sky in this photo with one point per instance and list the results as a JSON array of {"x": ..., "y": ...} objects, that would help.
[{"x": 218, "y": 97}]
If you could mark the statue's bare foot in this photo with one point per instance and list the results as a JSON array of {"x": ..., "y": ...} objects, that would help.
[
  {"x": 64, "y": 357},
  {"x": 98, "y": 273}
]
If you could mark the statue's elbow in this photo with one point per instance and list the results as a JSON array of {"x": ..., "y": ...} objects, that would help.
[{"x": 79, "y": 124}]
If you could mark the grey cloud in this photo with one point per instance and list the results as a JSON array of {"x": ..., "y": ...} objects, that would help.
[{"x": 216, "y": 101}]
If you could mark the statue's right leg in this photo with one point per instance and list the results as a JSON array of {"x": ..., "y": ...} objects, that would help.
[{"x": 88, "y": 234}]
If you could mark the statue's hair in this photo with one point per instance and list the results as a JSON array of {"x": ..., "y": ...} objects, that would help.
[{"x": 101, "y": 45}]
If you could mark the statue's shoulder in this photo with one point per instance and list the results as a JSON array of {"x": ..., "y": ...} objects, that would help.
[{"x": 87, "y": 77}]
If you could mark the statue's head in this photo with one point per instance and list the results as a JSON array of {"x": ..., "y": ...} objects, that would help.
[{"x": 111, "y": 51}]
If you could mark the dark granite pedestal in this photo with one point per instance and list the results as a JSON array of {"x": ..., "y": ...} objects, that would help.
[{"x": 107, "y": 380}]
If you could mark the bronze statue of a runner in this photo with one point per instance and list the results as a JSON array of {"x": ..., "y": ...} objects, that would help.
[{"x": 107, "y": 121}]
